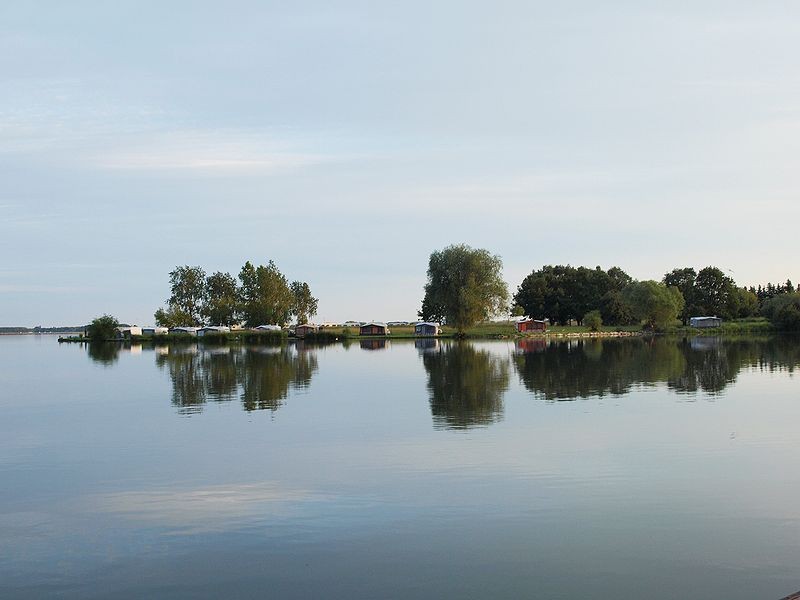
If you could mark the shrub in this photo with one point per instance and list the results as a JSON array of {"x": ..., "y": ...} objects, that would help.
[
  {"x": 102, "y": 328},
  {"x": 593, "y": 320}
]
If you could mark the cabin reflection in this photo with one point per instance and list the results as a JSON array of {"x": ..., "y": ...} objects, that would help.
[
  {"x": 374, "y": 344},
  {"x": 426, "y": 344},
  {"x": 466, "y": 385}
]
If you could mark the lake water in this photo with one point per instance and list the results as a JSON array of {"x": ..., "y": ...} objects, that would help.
[{"x": 598, "y": 469}]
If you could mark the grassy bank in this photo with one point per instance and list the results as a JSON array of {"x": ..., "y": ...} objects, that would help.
[{"x": 487, "y": 330}]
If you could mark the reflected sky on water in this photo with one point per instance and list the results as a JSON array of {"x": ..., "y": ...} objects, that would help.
[{"x": 659, "y": 468}]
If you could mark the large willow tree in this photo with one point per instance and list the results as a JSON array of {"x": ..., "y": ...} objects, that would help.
[{"x": 464, "y": 286}]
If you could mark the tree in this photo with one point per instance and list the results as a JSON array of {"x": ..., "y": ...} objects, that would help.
[
  {"x": 102, "y": 328},
  {"x": 464, "y": 286},
  {"x": 172, "y": 317},
  {"x": 304, "y": 304},
  {"x": 188, "y": 293},
  {"x": 747, "y": 303},
  {"x": 562, "y": 292},
  {"x": 716, "y": 294},
  {"x": 265, "y": 295},
  {"x": 783, "y": 311},
  {"x": 221, "y": 302},
  {"x": 684, "y": 280},
  {"x": 593, "y": 320},
  {"x": 654, "y": 304}
]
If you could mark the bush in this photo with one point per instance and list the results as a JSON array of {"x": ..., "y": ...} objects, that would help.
[
  {"x": 593, "y": 320},
  {"x": 102, "y": 328}
]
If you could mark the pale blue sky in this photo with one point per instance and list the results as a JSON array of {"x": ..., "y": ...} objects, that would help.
[{"x": 348, "y": 140}]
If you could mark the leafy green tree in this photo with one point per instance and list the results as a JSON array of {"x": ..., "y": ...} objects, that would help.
[
  {"x": 562, "y": 292},
  {"x": 266, "y": 297},
  {"x": 593, "y": 320},
  {"x": 464, "y": 286},
  {"x": 716, "y": 293},
  {"x": 654, "y": 304},
  {"x": 172, "y": 316},
  {"x": 614, "y": 310},
  {"x": 221, "y": 301},
  {"x": 304, "y": 305},
  {"x": 783, "y": 311},
  {"x": 684, "y": 279},
  {"x": 102, "y": 328},
  {"x": 187, "y": 296},
  {"x": 747, "y": 303}
]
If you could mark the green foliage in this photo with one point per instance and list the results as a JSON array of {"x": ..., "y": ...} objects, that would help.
[
  {"x": 593, "y": 320},
  {"x": 654, "y": 304},
  {"x": 517, "y": 311},
  {"x": 172, "y": 317},
  {"x": 102, "y": 328},
  {"x": 266, "y": 297},
  {"x": 783, "y": 311},
  {"x": 684, "y": 279},
  {"x": 562, "y": 293},
  {"x": 614, "y": 309},
  {"x": 188, "y": 294},
  {"x": 716, "y": 293},
  {"x": 221, "y": 301},
  {"x": 747, "y": 303},
  {"x": 304, "y": 305},
  {"x": 464, "y": 286}
]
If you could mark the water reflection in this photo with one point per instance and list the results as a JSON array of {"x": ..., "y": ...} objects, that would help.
[
  {"x": 105, "y": 353},
  {"x": 260, "y": 377},
  {"x": 595, "y": 367},
  {"x": 465, "y": 385}
]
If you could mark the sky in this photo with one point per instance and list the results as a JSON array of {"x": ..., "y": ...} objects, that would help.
[{"x": 348, "y": 140}]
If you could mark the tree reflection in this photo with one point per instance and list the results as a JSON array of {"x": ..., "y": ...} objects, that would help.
[
  {"x": 104, "y": 353},
  {"x": 261, "y": 377},
  {"x": 582, "y": 368},
  {"x": 465, "y": 385}
]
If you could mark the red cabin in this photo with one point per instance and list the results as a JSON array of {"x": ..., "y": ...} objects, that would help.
[{"x": 531, "y": 325}]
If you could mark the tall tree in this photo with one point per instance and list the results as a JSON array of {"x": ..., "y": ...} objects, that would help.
[
  {"x": 265, "y": 295},
  {"x": 304, "y": 305},
  {"x": 465, "y": 286},
  {"x": 654, "y": 304},
  {"x": 716, "y": 293},
  {"x": 221, "y": 302},
  {"x": 188, "y": 292},
  {"x": 684, "y": 279}
]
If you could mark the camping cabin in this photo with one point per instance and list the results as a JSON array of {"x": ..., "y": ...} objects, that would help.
[
  {"x": 531, "y": 325},
  {"x": 211, "y": 329},
  {"x": 155, "y": 330},
  {"x": 705, "y": 322},
  {"x": 427, "y": 329},
  {"x": 304, "y": 329},
  {"x": 125, "y": 333},
  {"x": 374, "y": 328},
  {"x": 184, "y": 330}
]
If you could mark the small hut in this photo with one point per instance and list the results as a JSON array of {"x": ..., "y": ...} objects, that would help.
[
  {"x": 374, "y": 328},
  {"x": 304, "y": 329},
  {"x": 126, "y": 332},
  {"x": 705, "y": 322},
  {"x": 531, "y": 326},
  {"x": 155, "y": 330},
  {"x": 427, "y": 328},
  {"x": 211, "y": 329},
  {"x": 184, "y": 330}
]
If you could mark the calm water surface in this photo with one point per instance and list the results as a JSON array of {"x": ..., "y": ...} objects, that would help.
[{"x": 616, "y": 469}]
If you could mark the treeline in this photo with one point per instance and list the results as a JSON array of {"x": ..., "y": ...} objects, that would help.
[
  {"x": 564, "y": 294},
  {"x": 260, "y": 295}
]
